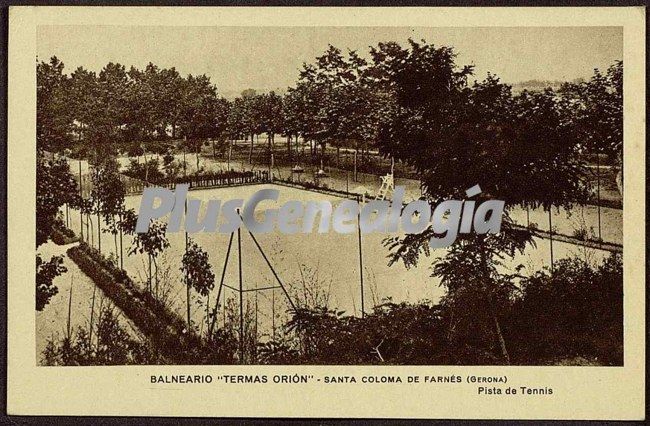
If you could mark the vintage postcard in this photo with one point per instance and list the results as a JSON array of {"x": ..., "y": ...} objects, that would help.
[{"x": 327, "y": 212}]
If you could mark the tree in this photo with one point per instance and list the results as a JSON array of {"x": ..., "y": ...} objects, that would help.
[
  {"x": 171, "y": 94},
  {"x": 142, "y": 117},
  {"x": 83, "y": 93},
  {"x": 109, "y": 191},
  {"x": 271, "y": 116},
  {"x": 55, "y": 187},
  {"x": 45, "y": 274},
  {"x": 221, "y": 114},
  {"x": 594, "y": 109},
  {"x": 106, "y": 129},
  {"x": 249, "y": 116},
  {"x": 197, "y": 274},
  {"x": 547, "y": 150},
  {"x": 53, "y": 113},
  {"x": 199, "y": 114},
  {"x": 597, "y": 110},
  {"x": 441, "y": 127},
  {"x": 153, "y": 242}
]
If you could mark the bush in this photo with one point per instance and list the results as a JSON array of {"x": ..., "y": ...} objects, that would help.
[
  {"x": 393, "y": 333},
  {"x": 580, "y": 234},
  {"x": 576, "y": 311},
  {"x": 114, "y": 346},
  {"x": 572, "y": 316}
]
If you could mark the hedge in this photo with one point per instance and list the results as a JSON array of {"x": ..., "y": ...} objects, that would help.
[
  {"x": 164, "y": 328},
  {"x": 62, "y": 235}
]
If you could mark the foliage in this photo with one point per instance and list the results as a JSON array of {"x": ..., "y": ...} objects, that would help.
[
  {"x": 413, "y": 334},
  {"x": 344, "y": 100},
  {"x": 114, "y": 346},
  {"x": 152, "y": 242},
  {"x": 413, "y": 103},
  {"x": 575, "y": 312},
  {"x": 108, "y": 189},
  {"x": 148, "y": 171},
  {"x": 595, "y": 109},
  {"x": 53, "y": 115},
  {"x": 45, "y": 274},
  {"x": 55, "y": 186},
  {"x": 196, "y": 269}
]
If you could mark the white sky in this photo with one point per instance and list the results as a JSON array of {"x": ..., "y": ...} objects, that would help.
[{"x": 266, "y": 58}]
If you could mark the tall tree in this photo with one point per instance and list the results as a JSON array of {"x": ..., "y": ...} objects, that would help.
[
  {"x": 53, "y": 113},
  {"x": 199, "y": 115},
  {"x": 83, "y": 93},
  {"x": 456, "y": 136},
  {"x": 595, "y": 110}
]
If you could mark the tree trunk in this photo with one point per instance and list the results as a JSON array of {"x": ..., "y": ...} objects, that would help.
[
  {"x": 92, "y": 229},
  {"x": 550, "y": 234},
  {"x": 289, "y": 146},
  {"x": 488, "y": 297},
  {"x": 121, "y": 250},
  {"x": 117, "y": 254},
  {"x": 149, "y": 276},
  {"x": 184, "y": 162},
  {"x": 207, "y": 317},
  {"x": 155, "y": 267},
  {"x": 188, "y": 304},
  {"x": 250, "y": 152},
  {"x": 92, "y": 314},
  {"x": 99, "y": 233},
  {"x": 146, "y": 167},
  {"x": 273, "y": 313},
  {"x": 502, "y": 342},
  {"x": 187, "y": 282},
  {"x": 229, "y": 152},
  {"x": 598, "y": 191}
]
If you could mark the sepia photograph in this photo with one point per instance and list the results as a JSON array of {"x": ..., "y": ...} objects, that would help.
[
  {"x": 151, "y": 138},
  {"x": 326, "y": 212}
]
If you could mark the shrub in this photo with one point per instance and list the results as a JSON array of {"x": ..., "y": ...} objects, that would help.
[
  {"x": 576, "y": 311},
  {"x": 572, "y": 316},
  {"x": 393, "y": 333},
  {"x": 580, "y": 234},
  {"x": 114, "y": 346}
]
